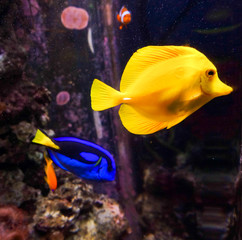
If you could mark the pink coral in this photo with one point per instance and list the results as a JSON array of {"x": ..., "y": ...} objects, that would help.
[
  {"x": 74, "y": 18},
  {"x": 62, "y": 98}
]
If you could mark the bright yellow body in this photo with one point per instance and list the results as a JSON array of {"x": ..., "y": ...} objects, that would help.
[
  {"x": 170, "y": 94},
  {"x": 160, "y": 87}
]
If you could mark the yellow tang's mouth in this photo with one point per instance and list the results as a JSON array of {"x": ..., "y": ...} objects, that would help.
[
  {"x": 215, "y": 88},
  {"x": 222, "y": 89}
]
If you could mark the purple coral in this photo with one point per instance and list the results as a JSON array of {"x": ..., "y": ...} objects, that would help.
[{"x": 30, "y": 7}]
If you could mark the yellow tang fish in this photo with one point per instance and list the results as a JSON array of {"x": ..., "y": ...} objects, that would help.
[
  {"x": 50, "y": 174},
  {"x": 160, "y": 87}
]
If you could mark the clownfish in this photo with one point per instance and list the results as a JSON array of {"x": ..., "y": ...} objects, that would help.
[
  {"x": 124, "y": 17},
  {"x": 83, "y": 158},
  {"x": 50, "y": 177},
  {"x": 160, "y": 87}
]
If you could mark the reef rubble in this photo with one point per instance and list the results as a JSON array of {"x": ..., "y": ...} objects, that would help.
[{"x": 74, "y": 212}]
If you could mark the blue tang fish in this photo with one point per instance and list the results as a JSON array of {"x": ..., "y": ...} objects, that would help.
[{"x": 80, "y": 157}]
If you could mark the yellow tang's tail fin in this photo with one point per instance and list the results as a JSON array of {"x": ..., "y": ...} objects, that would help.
[
  {"x": 42, "y": 139},
  {"x": 104, "y": 96}
]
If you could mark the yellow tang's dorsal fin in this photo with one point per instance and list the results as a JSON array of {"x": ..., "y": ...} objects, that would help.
[
  {"x": 146, "y": 57},
  {"x": 42, "y": 139},
  {"x": 136, "y": 123}
]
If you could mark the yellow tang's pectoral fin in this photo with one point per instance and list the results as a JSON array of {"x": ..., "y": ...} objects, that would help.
[
  {"x": 42, "y": 139},
  {"x": 136, "y": 123}
]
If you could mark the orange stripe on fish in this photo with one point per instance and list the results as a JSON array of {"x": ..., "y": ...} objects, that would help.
[
  {"x": 124, "y": 17},
  {"x": 50, "y": 177}
]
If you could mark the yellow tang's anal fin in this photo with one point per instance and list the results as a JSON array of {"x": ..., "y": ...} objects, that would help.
[
  {"x": 135, "y": 123},
  {"x": 177, "y": 120},
  {"x": 42, "y": 139}
]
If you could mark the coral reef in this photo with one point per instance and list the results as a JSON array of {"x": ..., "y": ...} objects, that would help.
[
  {"x": 13, "y": 223},
  {"x": 74, "y": 212},
  {"x": 26, "y": 107},
  {"x": 29, "y": 67},
  {"x": 24, "y": 101},
  {"x": 14, "y": 190},
  {"x": 23, "y": 106}
]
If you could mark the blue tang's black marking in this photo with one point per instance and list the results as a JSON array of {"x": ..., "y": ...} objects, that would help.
[{"x": 83, "y": 158}]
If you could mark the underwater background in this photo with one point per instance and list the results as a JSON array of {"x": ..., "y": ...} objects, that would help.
[{"x": 180, "y": 183}]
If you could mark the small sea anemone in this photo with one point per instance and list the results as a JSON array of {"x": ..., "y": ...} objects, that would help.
[
  {"x": 62, "y": 98},
  {"x": 74, "y": 18}
]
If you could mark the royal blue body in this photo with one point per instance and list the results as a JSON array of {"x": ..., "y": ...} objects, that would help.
[{"x": 83, "y": 158}]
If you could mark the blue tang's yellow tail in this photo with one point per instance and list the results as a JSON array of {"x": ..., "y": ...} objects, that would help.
[{"x": 42, "y": 139}]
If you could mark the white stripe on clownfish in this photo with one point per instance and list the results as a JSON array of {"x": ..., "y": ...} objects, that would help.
[
  {"x": 124, "y": 14},
  {"x": 120, "y": 12}
]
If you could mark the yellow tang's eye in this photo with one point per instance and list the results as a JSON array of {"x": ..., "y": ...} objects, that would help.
[{"x": 210, "y": 73}]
